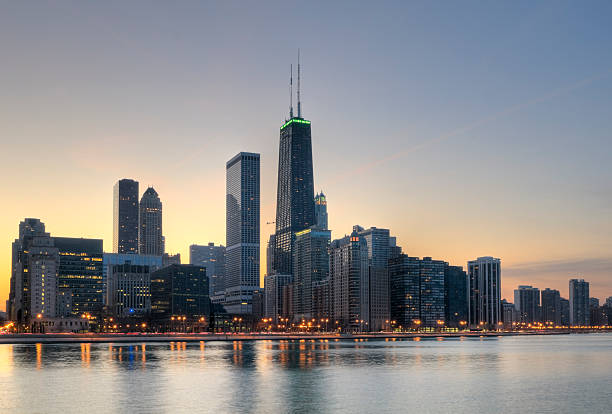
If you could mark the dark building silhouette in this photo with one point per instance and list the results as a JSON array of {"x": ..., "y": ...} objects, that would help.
[
  {"x": 179, "y": 290},
  {"x": 455, "y": 296},
  {"x": 321, "y": 211},
  {"x": 579, "y": 302},
  {"x": 551, "y": 306},
  {"x": 527, "y": 303},
  {"x": 213, "y": 259},
  {"x": 125, "y": 216},
  {"x": 150, "y": 239},
  {"x": 81, "y": 272}
]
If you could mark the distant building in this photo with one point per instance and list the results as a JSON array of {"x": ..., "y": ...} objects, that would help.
[
  {"x": 609, "y": 301},
  {"x": 565, "y": 312},
  {"x": 242, "y": 232},
  {"x": 171, "y": 259},
  {"x": 484, "y": 282},
  {"x": 310, "y": 265},
  {"x": 213, "y": 259},
  {"x": 273, "y": 289},
  {"x": 81, "y": 272},
  {"x": 259, "y": 302},
  {"x": 125, "y": 216},
  {"x": 321, "y": 300},
  {"x": 349, "y": 287},
  {"x": 510, "y": 316},
  {"x": 320, "y": 204},
  {"x": 129, "y": 290},
  {"x": 551, "y": 306},
  {"x": 455, "y": 296},
  {"x": 270, "y": 254},
  {"x": 579, "y": 302},
  {"x": 527, "y": 303},
  {"x": 179, "y": 290},
  {"x": 593, "y": 303},
  {"x": 150, "y": 239}
]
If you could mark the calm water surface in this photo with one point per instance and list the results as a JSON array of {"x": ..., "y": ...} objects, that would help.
[{"x": 541, "y": 374}]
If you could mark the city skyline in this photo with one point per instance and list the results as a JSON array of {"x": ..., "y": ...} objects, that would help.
[{"x": 551, "y": 221}]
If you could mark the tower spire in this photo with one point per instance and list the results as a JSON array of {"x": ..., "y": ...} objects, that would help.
[
  {"x": 299, "y": 103},
  {"x": 291, "y": 93}
]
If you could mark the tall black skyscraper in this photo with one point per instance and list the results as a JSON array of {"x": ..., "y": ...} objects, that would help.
[
  {"x": 150, "y": 239},
  {"x": 125, "y": 216},
  {"x": 295, "y": 192}
]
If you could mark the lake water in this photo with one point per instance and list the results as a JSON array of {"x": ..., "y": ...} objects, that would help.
[{"x": 536, "y": 374}]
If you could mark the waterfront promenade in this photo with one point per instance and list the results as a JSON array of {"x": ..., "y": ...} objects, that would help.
[{"x": 196, "y": 337}]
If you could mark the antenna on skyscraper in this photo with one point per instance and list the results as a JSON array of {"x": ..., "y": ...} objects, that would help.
[
  {"x": 291, "y": 93},
  {"x": 299, "y": 114}
]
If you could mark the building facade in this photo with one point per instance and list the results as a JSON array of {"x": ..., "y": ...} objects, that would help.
[
  {"x": 150, "y": 239},
  {"x": 81, "y": 273},
  {"x": 213, "y": 259},
  {"x": 527, "y": 303},
  {"x": 129, "y": 290},
  {"x": 455, "y": 296},
  {"x": 273, "y": 292},
  {"x": 310, "y": 265},
  {"x": 551, "y": 306},
  {"x": 484, "y": 281},
  {"x": 578, "y": 302},
  {"x": 125, "y": 216},
  {"x": 348, "y": 281},
  {"x": 242, "y": 232},
  {"x": 179, "y": 290}
]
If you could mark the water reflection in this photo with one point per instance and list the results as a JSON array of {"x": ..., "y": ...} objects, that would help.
[{"x": 309, "y": 375}]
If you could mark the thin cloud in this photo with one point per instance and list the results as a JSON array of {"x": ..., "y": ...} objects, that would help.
[{"x": 580, "y": 267}]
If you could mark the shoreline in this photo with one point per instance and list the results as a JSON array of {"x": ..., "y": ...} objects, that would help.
[{"x": 210, "y": 337}]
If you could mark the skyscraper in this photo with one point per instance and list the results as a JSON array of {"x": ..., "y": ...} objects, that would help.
[
  {"x": 125, "y": 216},
  {"x": 527, "y": 303},
  {"x": 484, "y": 278},
  {"x": 379, "y": 249},
  {"x": 551, "y": 306},
  {"x": 129, "y": 290},
  {"x": 321, "y": 211},
  {"x": 295, "y": 191},
  {"x": 150, "y": 239},
  {"x": 273, "y": 288},
  {"x": 455, "y": 296},
  {"x": 310, "y": 265},
  {"x": 213, "y": 259},
  {"x": 242, "y": 232},
  {"x": 578, "y": 302},
  {"x": 348, "y": 278}
]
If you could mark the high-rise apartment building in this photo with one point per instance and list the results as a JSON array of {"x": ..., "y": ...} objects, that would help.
[
  {"x": 270, "y": 250},
  {"x": 310, "y": 265},
  {"x": 242, "y": 232},
  {"x": 349, "y": 287},
  {"x": 455, "y": 296},
  {"x": 551, "y": 306},
  {"x": 150, "y": 239},
  {"x": 579, "y": 302},
  {"x": 213, "y": 259},
  {"x": 379, "y": 245},
  {"x": 125, "y": 216},
  {"x": 484, "y": 281},
  {"x": 81, "y": 273},
  {"x": 320, "y": 203},
  {"x": 417, "y": 291},
  {"x": 527, "y": 303},
  {"x": 565, "y": 312}
]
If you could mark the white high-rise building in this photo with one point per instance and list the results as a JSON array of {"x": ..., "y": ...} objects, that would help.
[{"x": 484, "y": 282}]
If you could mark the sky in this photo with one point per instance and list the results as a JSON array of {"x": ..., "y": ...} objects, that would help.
[{"x": 467, "y": 128}]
